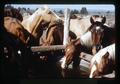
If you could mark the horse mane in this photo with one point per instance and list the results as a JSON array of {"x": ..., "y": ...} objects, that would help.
[{"x": 109, "y": 36}]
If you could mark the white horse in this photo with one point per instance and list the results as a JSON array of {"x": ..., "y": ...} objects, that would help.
[{"x": 103, "y": 62}]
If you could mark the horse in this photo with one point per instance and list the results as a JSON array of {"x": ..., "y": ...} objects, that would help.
[
  {"x": 42, "y": 19},
  {"x": 13, "y": 26},
  {"x": 15, "y": 47},
  {"x": 96, "y": 36},
  {"x": 79, "y": 26},
  {"x": 12, "y": 23},
  {"x": 103, "y": 62}
]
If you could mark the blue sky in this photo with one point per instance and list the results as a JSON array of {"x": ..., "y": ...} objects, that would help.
[{"x": 106, "y": 7}]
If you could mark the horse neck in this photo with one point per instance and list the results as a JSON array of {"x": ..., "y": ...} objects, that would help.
[
  {"x": 86, "y": 39},
  {"x": 31, "y": 21},
  {"x": 110, "y": 49},
  {"x": 93, "y": 68},
  {"x": 79, "y": 27},
  {"x": 108, "y": 37},
  {"x": 56, "y": 15}
]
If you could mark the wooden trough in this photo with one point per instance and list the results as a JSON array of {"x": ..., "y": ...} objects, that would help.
[
  {"x": 85, "y": 62},
  {"x": 82, "y": 71}
]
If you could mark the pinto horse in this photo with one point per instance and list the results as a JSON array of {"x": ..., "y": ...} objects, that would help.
[
  {"x": 95, "y": 36},
  {"x": 103, "y": 62}
]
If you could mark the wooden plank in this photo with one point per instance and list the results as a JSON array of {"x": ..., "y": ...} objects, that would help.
[
  {"x": 66, "y": 26},
  {"x": 47, "y": 48},
  {"x": 85, "y": 56},
  {"x": 85, "y": 66}
]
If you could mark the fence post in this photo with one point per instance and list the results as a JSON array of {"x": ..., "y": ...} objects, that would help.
[
  {"x": 66, "y": 32},
  {"x": 66, "y": 26}
]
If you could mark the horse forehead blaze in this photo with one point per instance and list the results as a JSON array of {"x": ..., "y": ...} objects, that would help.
[{"x": 98, "y": 27}]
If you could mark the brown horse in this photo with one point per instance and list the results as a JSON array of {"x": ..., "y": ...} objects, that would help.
[
  {"x": 96, "y": 36},
  {"x": 13, "y": 26},
  {"x": 12, "y": 23}
]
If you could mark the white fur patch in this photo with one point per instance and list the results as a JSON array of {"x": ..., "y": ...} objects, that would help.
[
  {"x": 92, "y": 71},
  {"x": 97, "y": 28},
  {"x": 68, "y": 49},
  {"x": 19, "y": 52},
  {"x": 98, "y": 19},
  {"x": 86, "y": 39},
  {"x": 63, "y": 65}
]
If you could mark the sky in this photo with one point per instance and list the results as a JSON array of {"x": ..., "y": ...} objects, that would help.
[{"x": 107, "y": 7}]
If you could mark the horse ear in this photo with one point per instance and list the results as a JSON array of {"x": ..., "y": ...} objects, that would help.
[
  {"x": 49, "y": 12},
  {"x": 106, "y": 55},
  {"x": 91, "y": 20},
  {"x": 104, "y": 19}
]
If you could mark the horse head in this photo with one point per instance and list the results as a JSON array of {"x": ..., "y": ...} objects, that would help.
[
  {"x": 12, "y": 24},
  {"x": 71, "y": 54},
  {"x": 97, "y": 30},
  {"x": 101, "y": 68}
]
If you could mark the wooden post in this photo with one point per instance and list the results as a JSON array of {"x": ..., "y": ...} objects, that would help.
[
  {"x": 66, "y": 26},
  {"x": 66, "y": 33}
]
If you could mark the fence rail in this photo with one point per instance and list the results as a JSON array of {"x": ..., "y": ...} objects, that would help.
[{"x": 47, "y": 48}]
